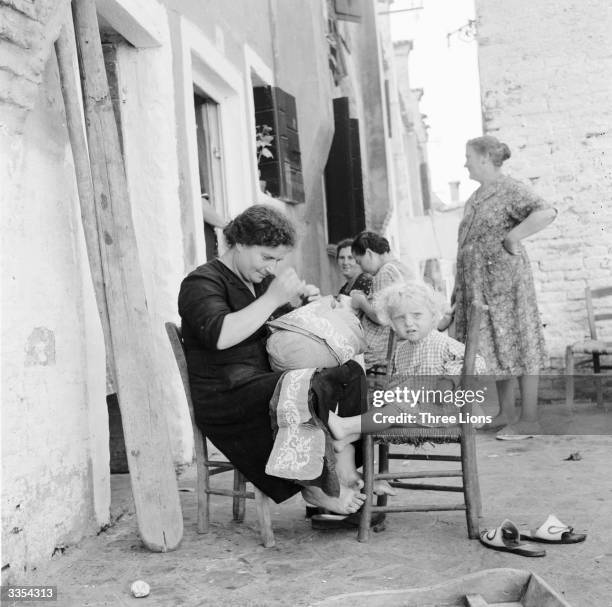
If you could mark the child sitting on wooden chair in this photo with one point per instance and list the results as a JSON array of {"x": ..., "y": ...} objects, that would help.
[{"x": 414, "y": 309}]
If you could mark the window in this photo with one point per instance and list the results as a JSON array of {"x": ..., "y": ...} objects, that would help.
[
  {"x": 283, "y": 171},
  {"x": 343, "y": 179}
]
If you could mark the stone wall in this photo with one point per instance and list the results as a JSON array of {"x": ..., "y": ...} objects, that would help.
[{"x": 546, "y": 91}]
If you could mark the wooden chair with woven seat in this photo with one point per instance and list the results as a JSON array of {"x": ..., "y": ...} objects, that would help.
[
  {"x": 206, "y": 467},
  {"x": 594, "y": 348},
  {"x": 462, "y": 434}
]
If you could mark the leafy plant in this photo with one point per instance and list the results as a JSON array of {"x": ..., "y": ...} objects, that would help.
[{"x": 263, "y": 141}]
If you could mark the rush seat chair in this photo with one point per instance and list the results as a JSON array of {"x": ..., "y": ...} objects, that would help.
[
  {"x": 461, "y": 434},
  {"x": 594, "y": 348},
  {"x": 206, "y": 468}
]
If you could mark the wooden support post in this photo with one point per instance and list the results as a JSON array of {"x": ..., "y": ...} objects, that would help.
[
  {"x": 147, "y": 443},
  {"x": 67, "y": 62}
]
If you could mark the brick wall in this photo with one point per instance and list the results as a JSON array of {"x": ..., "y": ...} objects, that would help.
[{"x": 546, "y": 91}]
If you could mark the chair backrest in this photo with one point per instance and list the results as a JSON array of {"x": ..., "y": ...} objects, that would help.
[
  {"x": 589, "y": 295},
  {"x": 176, "y": 341}
]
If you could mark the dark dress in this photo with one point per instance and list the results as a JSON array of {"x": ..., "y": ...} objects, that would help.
[
  {"x": 363, "y": 282},
  {"x": 231, "y": 389}
]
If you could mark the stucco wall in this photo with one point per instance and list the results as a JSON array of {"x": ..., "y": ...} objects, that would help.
[
  {"x": 546, "y": 89},
  {"x": 55, "y": 476}
]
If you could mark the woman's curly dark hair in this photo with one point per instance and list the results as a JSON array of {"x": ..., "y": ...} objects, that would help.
[
  {"x": 370, "y": 240},
  {"x": 260, "y": 225}
]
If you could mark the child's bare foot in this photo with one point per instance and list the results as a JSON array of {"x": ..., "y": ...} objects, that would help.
[
  {"x": 347, "y": 502},
  {"x": 383, "y": 488}
]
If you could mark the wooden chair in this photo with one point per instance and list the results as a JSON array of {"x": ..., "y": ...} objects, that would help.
[
  {"x": 463, "y": 434},
  {"x": 206, "y": 467},
  {"x": 593, "y": 347}
]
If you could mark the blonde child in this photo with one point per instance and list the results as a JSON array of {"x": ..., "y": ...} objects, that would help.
[{"x": 423, "y": 354}]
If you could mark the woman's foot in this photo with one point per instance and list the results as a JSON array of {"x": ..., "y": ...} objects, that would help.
[
  {"x": 348, "y": 502},
  {"x": 496, "y": 424},
  {"x": 521, "y": 429}
]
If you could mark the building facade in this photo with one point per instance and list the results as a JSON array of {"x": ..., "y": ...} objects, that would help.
[{"x": 191, "y": 83}]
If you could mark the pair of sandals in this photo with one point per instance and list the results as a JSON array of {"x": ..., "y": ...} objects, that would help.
[{"x": 507, "y": 537}]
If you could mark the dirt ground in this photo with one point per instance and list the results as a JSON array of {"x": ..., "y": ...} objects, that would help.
[{"x": 522, "y": 480}]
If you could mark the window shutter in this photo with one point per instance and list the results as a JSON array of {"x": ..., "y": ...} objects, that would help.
[
  {"x": 349, "y": 10},
  {"x": 343, "y": 181},
  {"x": 282, "y": 173},
  {"x": 425, "y": 192}
]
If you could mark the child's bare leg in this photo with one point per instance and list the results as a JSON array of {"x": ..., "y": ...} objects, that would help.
[{"x": 347, "y": 440}]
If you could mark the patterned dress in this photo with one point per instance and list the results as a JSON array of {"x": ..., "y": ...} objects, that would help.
[
  {"x": 511, "y": 338},
  {"x": 377, "y": 336}
]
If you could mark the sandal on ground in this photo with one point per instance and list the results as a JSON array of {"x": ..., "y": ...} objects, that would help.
[
  {"x": 343, "y": 521},
  {"x": 506, "y": 538},
  {"x": 553, "y": 531}
]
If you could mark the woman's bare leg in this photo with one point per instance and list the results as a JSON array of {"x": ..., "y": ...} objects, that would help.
[
  {"x": 528, "y": 422},
  {"x": 506, "y": 413}
]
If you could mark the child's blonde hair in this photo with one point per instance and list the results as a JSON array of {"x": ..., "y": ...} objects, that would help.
[{"x": 392, "y": 300}]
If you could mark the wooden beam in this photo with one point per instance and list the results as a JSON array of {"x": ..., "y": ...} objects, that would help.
[
  {"x": 147, "y": 443},
  {"x": 65, "y": 52}
]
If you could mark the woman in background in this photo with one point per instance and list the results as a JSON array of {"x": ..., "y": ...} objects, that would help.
[
  {"x": 351, "y": 270},
  {"x": 493, "y": 267}
]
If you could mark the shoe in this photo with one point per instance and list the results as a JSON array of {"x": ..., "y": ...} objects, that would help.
[
  {"x": 506, "y": 538},
  {"x": 343, "y": 521},
  {"x": 553, "y": 531}
]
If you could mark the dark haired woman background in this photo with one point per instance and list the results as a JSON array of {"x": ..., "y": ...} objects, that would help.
[
  {"x": 351, "y": 270},
  {"x": 493, "y": 267}
]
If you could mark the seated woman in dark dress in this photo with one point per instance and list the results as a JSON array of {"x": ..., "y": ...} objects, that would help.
[{"x": 224, "y": 305}]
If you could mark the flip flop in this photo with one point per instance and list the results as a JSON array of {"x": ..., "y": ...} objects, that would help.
[
  {"x": 553, "y": 531},
  {"x": 343, "y": 521},
  {"x": 506, "y": 539}
]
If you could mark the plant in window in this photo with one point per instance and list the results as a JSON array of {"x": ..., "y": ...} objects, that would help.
[{"x": 263, "y": 141}]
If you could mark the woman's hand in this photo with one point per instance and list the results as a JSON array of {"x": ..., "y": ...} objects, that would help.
[
  {"x": 511, "y": 245},
  {"x": 310, "y": 293},
  {"x": 285, "y": 287}
]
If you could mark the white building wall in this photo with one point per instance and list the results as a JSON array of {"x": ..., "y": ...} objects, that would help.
[{"x": 55, "y": 475}]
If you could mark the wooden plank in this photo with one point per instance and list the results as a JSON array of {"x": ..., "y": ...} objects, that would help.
[
  {"x": 539, "y": 594},
  {"x": 152, "y": 474},
  {"x": 65, "y": 51}
]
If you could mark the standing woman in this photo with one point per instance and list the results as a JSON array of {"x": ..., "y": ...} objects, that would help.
[
  {"x": 493, "y": 268},
  {"x": 351, "y": 270}
]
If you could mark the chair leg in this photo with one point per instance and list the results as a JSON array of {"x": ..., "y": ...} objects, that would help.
[
  {"x": 202, "y": 483},
  {"x": 569, "y": 378},
  {"x": 368, "y": 488},
  {"x": 383, "y": 466},
  {"x": 262, "y": 503},
  {"x": 471, "y": 485},
  {"x": 598, "y": 382},
  {"x": 239, "y": 503}
]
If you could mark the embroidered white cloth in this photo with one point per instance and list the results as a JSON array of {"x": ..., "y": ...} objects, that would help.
[{"x": 299, "y": 445}]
